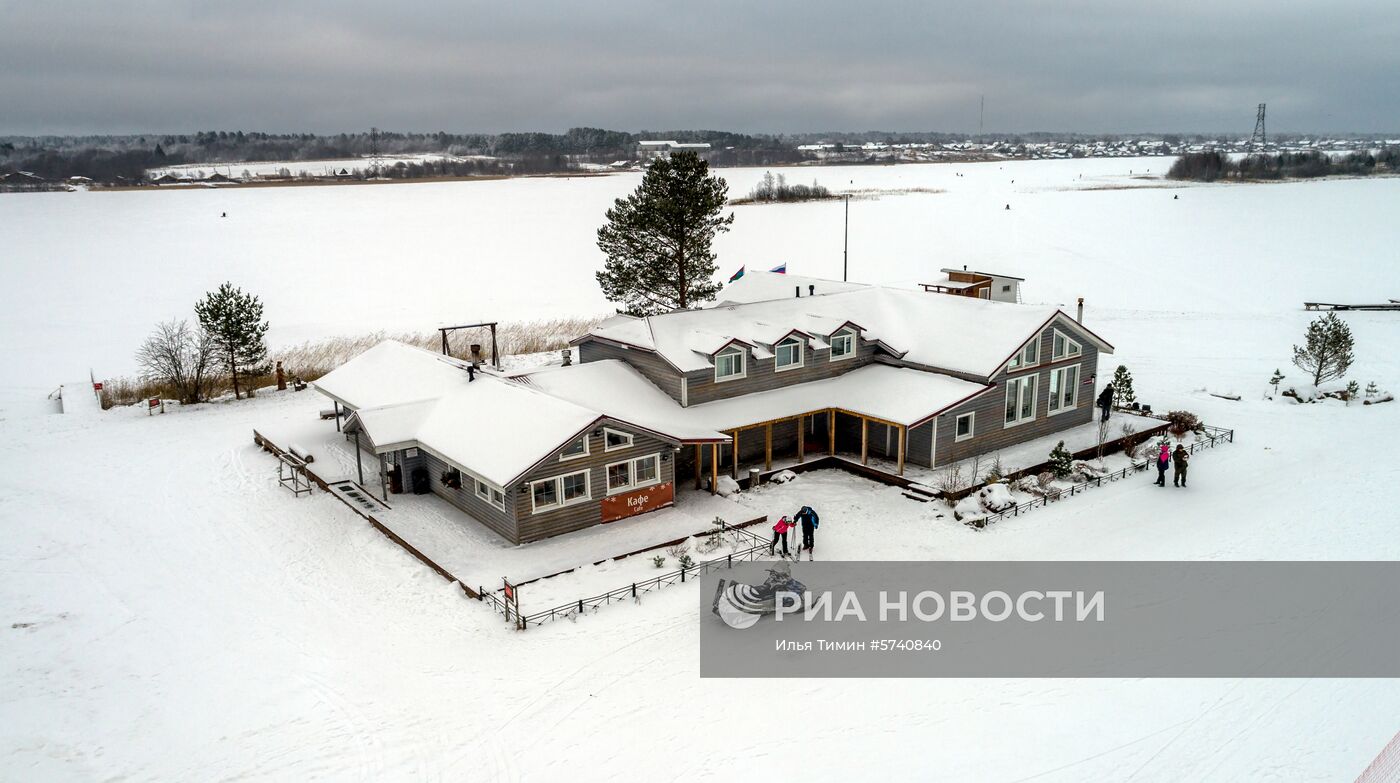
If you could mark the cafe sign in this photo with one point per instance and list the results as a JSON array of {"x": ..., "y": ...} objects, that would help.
[{"x": 638, "y": 501}]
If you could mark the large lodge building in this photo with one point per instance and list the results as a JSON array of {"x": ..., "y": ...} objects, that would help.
[{"x": 781, "y": 366}]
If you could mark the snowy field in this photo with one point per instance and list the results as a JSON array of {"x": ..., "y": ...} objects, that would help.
[{"x": 170, "y": 613}]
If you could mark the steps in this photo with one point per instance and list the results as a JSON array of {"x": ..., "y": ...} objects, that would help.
[{"x": 920, "y": 493}]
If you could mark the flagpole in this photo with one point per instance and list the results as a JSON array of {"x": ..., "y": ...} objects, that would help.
[{"x": 846, "y": 241}]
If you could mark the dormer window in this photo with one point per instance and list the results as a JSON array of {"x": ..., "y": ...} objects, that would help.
[
  {"x": 788, "y": 353},
  {"x": 1027, "y": 356},
  {"x": 1065, "y": 348},
  {"x": 729, "y": 364},
  {"x": 843, "y": 344}
]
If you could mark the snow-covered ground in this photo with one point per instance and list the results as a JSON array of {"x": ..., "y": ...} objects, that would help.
[
  {"x": 315, "y": 168},
  {"x": 171, "y": 613}
]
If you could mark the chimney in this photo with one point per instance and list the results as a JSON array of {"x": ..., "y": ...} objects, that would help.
[
  {"x": 811, "y": 290},
  {"x": 568, "y": 356},
  {"x": 471, "y": 373},
  {"x": 799, "y": 291},
  {"x": 1080, "y": 316},
  {"x": 964, "y": 267}
]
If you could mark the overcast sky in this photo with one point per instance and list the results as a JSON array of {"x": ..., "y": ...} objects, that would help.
[{"x": 755, "y": 66}]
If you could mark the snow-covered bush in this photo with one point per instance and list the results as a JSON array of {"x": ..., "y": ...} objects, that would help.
[
  {"x": 783, "y": 477},
  {"x": 659, "y": 561},
  {"x": 995, "y": 497},
  {"x": 679, "y": 550},
  {"x": 969, "y": 509},
  {"x": 726, "y": 486},
  {"x": 996, "y": 471},
  {"x": 1181, "y": 422},
  {"x": 1086, "y": 471},
  {"x": 1061, "y": 461}
]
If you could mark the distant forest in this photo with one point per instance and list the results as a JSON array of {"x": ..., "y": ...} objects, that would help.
[
  {"x": 1212, "y": 166},
  {"x": 125, "y": 159}
]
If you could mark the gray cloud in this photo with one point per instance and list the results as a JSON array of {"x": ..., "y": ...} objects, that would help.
[{"x": 316, "y": 65}]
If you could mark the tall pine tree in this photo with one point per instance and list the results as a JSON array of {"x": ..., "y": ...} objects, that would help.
[
  {"x": 658, "y": 239},
  {"x": 1327, "y": 352},
  {"x": 233, "y": 320},
  {"x": 1123, "y": 394}
]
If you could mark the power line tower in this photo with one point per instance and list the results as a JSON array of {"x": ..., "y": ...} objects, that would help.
[
  {"x": 1257, "y": 141},
  {"x": 374, "y": 152}
]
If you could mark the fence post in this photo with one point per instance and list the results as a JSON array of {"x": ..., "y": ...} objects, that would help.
[
  {"x": 682, "y": 573},
  {"x": 729, "y": 560},
  {"x": 634, "y": 589},
  {"x": 580, "y": 606}
]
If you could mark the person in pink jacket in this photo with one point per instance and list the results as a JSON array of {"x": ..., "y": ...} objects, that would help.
[
  {"x": 1164, "y": 461},
  {"x": 780, "y": 531}
]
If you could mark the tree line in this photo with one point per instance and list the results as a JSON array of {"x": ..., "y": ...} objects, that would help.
[{"x": 1212, "y": 165}]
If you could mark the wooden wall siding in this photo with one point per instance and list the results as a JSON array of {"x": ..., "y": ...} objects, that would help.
[
  {"x": 761, "y": 375},
  {"x": 651, "y": 366},
  {"x": 533, "y": 526},
  {"x": 990, "y": 432},
  {"x": 917, "y": 443},
  {"x": 464, "y": 498}
]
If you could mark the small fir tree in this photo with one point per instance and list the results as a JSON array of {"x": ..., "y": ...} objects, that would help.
[
  {"x": 1353, "y": 389},
  {"x": 1123, "y": 394},
  {"x": 1327, "y": 349},
  {"x": 658, "y": 240},
  {"x": 1061, "y": 461},
  {"x": 1371, "y": 389},
  {"x": 1276, "y": 380},
  {"x": 233, "y": 321}
]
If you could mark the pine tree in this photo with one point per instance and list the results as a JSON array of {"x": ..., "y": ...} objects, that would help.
[
  {"x": 1353, "y": 389},
  {"x": 658, "y": 239},
  {"x": 1371, "y": 389},
  {"x": 1276, "y": 380},
  {"x": 234, "y": 321},
  {"x": 1061, "y": 461},
  {"x": 1123, "y": 394},
  {"x": 1327, "y": 353}
]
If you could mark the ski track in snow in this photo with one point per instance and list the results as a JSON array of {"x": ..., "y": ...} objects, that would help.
[{"x": 169, "y": 612}]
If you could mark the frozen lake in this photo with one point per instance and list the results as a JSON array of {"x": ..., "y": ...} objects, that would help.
[{"x": 87, "y": 274}]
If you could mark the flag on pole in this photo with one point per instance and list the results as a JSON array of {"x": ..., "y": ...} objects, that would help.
[
  {"x": 737, "y": 275},
  {"x": 780, "y": 268}
]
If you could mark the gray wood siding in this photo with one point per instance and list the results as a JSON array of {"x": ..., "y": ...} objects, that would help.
[
  {"x": 761, "y": 375},
  {"x": 990, "y": 432},
  {"x": 532, "y": 526},
  {"x": 651, "y": 366}
]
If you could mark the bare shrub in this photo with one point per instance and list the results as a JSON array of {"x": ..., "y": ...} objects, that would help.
[
  {"x": 1131, "y": 443},
  {"x": 951, "y": 480},
  {"x": 1181, "y": 422},
  {"x": 179, "y": 359}
]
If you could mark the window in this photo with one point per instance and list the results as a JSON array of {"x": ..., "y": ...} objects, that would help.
[
  {"x": 843, "y": 345},
  {"x": 789, "y": 354},
  {"x": 633, "y": 473},
  {"x": 578, "y": 448},
  {"x": 1020, "y": 399},
  {"x": 614, "y": 440},
  {"x": 729, "y": 364},
  {"x": 558, "y": 492},
  {"x": 490, "y": 494},
  {"x": 1027, "y": 356},
  {"x": 1065, "y": 348},
  {"x": 1006, "y": 289},
  {"x": 962, "y": 428},
  {"x": 483, "y": 490},
  {"x": 498, "y": 499},
  {"x": 1064, "y": 389}
]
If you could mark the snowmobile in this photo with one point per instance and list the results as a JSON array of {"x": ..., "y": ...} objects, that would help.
[{"x": 741, "y": 605}]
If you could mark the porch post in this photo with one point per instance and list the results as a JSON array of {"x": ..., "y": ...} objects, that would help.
[
  {"x": 768, "y": 446},
  {"x": 900, "y": 458},
  {"x": 714, "y": 468},
  {"x": 734, "y": 463},
  {"x": 831, "y": 431},
  {"x": 359, "y": 466},
  {"x": 699, "y": 460},
  {"x": 384, "y": 478},
  {"x": 337, "y": 415},
  {"x": 864, "y": 441},
  {"x": 801, "y": 437}
]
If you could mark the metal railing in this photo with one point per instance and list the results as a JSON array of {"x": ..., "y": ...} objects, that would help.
[
  {"x": 633, "y": 592},
  {"x": 1206, "y": 438}
]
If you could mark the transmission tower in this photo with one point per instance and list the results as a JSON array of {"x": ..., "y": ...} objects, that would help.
[
  {"x": 1257, "y": 141},
  {"x": 374, "y": 152}
]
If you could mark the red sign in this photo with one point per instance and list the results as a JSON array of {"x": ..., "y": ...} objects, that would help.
[
  {"x": 638, "y": 501},
  {"x": 154, "y": 402},
  {"x": 97, "y": 386}
]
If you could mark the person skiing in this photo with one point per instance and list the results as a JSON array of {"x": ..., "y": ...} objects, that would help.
[
  {"x": 780, "y": 531},
  {"x": 806, "y": 517},
  {"x": 1163, "y": 460},
  {"x": 1180, "y": 458},
  {"x": 1106, "y": 400}
]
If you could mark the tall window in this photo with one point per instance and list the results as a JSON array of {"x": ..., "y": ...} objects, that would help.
[
  {"x": 962, "y": 428},
  {"x": 729, "y": 364},
  {"x": 843, "y": 344},
  {"x": 559, "y": 491},
  {"x": 633, "y": 473},
  {"x": 789, "y": 354},
  {"x": 1020, "y": 399},
  {"x": 1027, "y": 356},
  {"x": 1064, "y": 389},
  {"x": 1065, "y": 348}
]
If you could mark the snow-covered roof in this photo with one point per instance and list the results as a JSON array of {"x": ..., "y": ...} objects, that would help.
[
  {"x": 980, "y": 272},
  {"x": 392, "y": 373},
  {"x": 954, "y": 334},
  {"x": 895, "y": 394},
  {"x": 762, "y": 286}
]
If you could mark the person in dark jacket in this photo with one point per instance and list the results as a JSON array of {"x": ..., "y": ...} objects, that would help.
[
  {"x": 1180, "y": 458},
  {"x": 1164, "y": 460},
  {"x": 807, "y": 518},
  {"x": 1106, "y": 400}
]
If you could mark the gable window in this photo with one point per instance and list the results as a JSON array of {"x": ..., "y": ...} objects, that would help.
[
  {"x": 962, "y": 427},
  {"x": 843, "y": 344},
  {"x": 1020, "y": 399},
  {"x": 614, "y": 440},
  {"x": 578, "y": 448},
  {"x": 789, "y": 354},
  {"x": 1027, "y": 356},
  {"x": 557, "y": 492},
  {"x": 729, "y": 364},
  {"x": 1065, "y": 348},
  {"x": 633, "y": 473},
  {"x": 1064, "y": 389}
]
